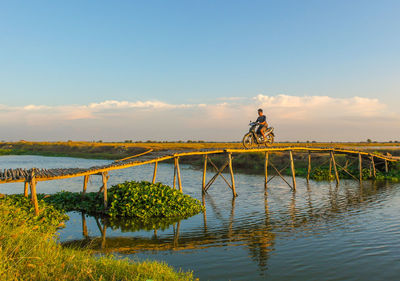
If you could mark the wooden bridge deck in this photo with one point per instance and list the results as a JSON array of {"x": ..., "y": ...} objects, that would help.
[
  {"x": 31, "y": 176},
  {"x": 23, "y": 175}
]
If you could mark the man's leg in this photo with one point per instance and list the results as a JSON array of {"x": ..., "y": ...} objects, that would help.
[{"x": 263, "y": 132}]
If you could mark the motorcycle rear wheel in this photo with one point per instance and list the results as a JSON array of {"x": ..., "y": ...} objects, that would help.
[
  {"x": 248, "y": 140},
  {"x": 269, "y": 140}
]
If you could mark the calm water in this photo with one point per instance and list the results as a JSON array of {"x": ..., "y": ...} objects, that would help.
[{"x": 320, "y": 232}]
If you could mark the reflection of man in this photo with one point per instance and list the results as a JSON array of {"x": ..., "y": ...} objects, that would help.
[{"x": 262, "y": 123}]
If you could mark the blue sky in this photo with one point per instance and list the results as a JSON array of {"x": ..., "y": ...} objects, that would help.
[{"x": 64, "y": 53}]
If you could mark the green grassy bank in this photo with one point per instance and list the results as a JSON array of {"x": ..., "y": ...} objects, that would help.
[{"x": 29, "y": 250}]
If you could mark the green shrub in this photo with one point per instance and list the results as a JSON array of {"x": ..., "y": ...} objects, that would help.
[
  {"x": 90, "y": 203},
  {"x": 145, "y": 200},
  {"x": 142, "y": 200}
]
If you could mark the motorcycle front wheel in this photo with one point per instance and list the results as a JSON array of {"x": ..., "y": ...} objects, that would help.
[{"x": 248, "y": 140}]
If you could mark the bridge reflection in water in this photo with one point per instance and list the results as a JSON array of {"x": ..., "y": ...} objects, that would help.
[{"x": 305, "y": 212}]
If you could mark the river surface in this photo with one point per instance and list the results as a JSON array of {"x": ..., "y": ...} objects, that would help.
[{"x": 319, "y": 232}]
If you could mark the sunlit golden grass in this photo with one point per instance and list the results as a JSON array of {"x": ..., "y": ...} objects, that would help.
[{"x": 28, "y": 252}]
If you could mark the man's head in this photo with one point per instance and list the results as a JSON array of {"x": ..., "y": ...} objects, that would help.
[{"x": 260, "y": 112}]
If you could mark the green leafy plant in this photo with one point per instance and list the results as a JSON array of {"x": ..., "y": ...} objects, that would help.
[
  {"x": 142, "y": 200},
  {"x": 145, "y": 200}
]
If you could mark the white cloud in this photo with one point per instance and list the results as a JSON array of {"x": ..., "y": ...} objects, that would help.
[
  {"x": 33, "y": 107},
  {"x": 294, "y": 117},
  {"x": 113, "y": 104}
]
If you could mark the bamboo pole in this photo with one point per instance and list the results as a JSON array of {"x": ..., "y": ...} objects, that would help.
[
  {"x": 266, "y": 170},
  {"x": 85, "y": 182},
  {"x": 178, "y": 171},
  {"x": 203, "y": 197},
  {"x": 335, "y": 167},
  {"x": 204, "y": 172},
  {"x": 373, "y": 166},
  {"x": 232, "y": 177},
  {"x": 330, "y": 168},
  {"x": 105, "y": 178},
  {"x": 211, "y": 181},
  {"x": 220, "y": 174},
  {"x": 33, "y": 192},
  {"x": 103, "y": 236},
  {"x": 360, "y": 166},
  {"x": 347, "y": 164},
  {"x": 174, "y": 183},
  {"x": 293, "y": 169},
  {"x": 26, "y": 186},
  {"x": 154, "y": 172},
  {"x": 84, "y": 226},
  {"x": 344, "y": 169},
  {"x": 370, "y": 170},
  {"x": 280, "y": 174},
  {"x": 386, "y": 167},
  {"x": 309, "y": 167}
]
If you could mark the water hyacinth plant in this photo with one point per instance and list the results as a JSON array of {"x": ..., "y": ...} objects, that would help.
[
  {"x": 145, "y": 200},
  {"x": 141, "y": 200}
]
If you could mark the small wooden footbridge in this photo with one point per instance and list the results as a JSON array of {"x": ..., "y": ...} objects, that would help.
[{"x": 30, "y": 177}]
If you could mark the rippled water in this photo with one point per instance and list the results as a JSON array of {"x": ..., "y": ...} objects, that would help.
[{"x": 319, "y": 232}]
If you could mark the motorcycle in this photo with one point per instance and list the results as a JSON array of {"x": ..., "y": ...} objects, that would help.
[{"x": 252, "y": 139}]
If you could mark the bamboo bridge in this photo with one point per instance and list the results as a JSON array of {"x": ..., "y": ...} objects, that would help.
[{"x": 30, "y": 177}]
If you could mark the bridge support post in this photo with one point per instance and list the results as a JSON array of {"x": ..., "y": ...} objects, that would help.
[
  {"x": 232, "y": 177},
  {"x": 174, "y": 181},
  {"x": 85, "y": 182},
  {"x": 154, "y": 172},
  {"x": 84, "y": 226},
  {"x": 293, "y": 169},
  {"x": 178, "y": 173},
  {"x": 204, "y": 173},
  {"x": 266, "y": 170},
  {"x": 105, "y": 179},
  {"x": 33, "y": 192},
  {"x": 386, "y": 167},
  {"x": 360, "y": 166},
  {"x": 26, "y": 186},
  {"x": 309, "y": 167},
  {"x": 373, "y": 166},
  {"x": 203, "y": 200},
  {"x": 330, "y": 168},
  {"x": 335, "y": 167}
]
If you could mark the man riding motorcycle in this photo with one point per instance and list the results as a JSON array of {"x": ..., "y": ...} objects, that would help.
[
  {"x": 262, "y": 123},
  {"x": 261, "y": 135}
]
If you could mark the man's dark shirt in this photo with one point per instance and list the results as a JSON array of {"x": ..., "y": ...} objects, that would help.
[{"x": 261, "y": 119}]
